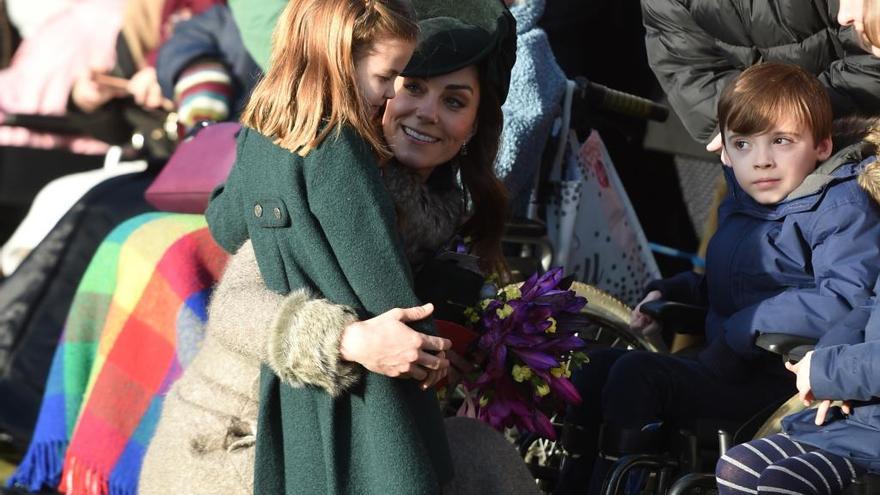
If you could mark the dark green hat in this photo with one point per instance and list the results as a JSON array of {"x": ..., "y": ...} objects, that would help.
[{"x": 458, "y": 33}]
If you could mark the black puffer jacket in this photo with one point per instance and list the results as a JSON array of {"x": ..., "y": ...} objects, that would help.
[{"x": 696, "y": 47}]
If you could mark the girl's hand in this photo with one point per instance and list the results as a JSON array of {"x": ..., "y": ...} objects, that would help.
[{"x": 385, "y": 345}]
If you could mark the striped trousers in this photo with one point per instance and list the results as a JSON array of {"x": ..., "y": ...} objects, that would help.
[{"x": 780, "y": 465}]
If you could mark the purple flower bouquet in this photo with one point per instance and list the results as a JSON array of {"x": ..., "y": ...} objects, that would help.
[{"x": 528, "y": 335}]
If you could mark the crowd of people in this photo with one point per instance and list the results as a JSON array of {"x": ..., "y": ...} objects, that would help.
[{"x": 369, "y": 136}]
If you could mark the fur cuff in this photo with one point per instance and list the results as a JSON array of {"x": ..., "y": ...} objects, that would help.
[{"x": 304, "y": 344}]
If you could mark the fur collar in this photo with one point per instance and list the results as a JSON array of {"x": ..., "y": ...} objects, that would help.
[{"x": 428, "y": 214}]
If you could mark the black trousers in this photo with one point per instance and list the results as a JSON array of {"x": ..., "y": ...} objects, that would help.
[{"x": 631, "y": 389}]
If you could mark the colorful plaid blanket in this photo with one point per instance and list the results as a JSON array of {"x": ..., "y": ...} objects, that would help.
[{"x": 135, "y": 323}]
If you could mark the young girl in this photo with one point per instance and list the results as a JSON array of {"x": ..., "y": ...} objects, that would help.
[{"x": 306, "y": 191}]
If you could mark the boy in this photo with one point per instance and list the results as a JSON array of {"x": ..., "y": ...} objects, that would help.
[{"x": 797, "y": 247}]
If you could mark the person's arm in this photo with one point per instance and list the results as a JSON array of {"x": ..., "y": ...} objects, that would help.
[
  {"x": 853, "y": 80},
  {"x": 307, "y": 340},
  {"x": 688, "y": 64},
  {"x": 297, "y": 335},
  {"x": 844, "y": 252},
  {"x": 225, "y": 213},
  {"x": 846, "y": 372},
  {"x": 193, "y": 40},
  {"x": 256, "y": 21},
  {"x": 685, "y": 287}
]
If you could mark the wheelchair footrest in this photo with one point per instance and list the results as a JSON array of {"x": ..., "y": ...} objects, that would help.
[{"x": 618, "y": 441}]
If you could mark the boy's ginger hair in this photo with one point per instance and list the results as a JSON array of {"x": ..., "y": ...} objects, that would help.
[
  {"x": 764, "y": 93},
  {"x": 310, "y": 88}
]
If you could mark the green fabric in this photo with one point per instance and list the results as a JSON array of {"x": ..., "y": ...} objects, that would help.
[
  {"x": 256, "y": 20},
  {"x": 335, "y": 235}
]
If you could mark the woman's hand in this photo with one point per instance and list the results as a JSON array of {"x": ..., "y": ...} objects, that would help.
[{"x": 385, "y": 345}]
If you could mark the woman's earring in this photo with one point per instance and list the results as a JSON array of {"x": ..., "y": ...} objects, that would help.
[{"x": 463, "y": 151}]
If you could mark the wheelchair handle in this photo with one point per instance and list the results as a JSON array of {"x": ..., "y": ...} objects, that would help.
[
  {"x": 792, "y": 348},
  {"x": 605, "y": 98}
]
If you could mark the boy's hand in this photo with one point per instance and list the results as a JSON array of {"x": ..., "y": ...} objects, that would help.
[
  {"x": 640, "y": 321},
  {"x": 802, "y": 370}
]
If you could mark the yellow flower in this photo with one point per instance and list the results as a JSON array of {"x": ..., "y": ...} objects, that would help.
[
  {"x": 521, "y": 373},
  {"x": 485, "y": 303},
  {"x": 504, "y": 311},
  {"x": 542, "y": 389},
  {"x": 511, "y": 292},
  {"x": 484, "y": 400},
  {"x": 552, "y": 327},
  {"x": 471, "y": 315},
  {"x": 562, "y": 370}
]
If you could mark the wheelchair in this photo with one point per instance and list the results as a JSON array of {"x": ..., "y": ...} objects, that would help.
[{"x": 685, "y": 465}]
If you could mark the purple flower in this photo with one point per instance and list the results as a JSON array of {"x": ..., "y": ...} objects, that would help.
[{"x": 532, "y": 328}]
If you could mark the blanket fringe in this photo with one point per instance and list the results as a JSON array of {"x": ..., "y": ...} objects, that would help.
[
  {"x": 41, "y": 466},
  {"x": 80, "y": 478}
]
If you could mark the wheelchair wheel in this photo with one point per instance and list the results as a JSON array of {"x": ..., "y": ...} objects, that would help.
[
  {"x": 609, "y": 320},
  {"x": 608, "y": 326}
]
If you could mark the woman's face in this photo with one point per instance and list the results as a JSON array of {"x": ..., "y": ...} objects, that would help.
[
  {"x": 428, "y": 120},
  {"x": 852, "y": 13}
]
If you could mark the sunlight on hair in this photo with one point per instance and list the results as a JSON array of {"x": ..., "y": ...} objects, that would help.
[{"x": 309, "y": 89}]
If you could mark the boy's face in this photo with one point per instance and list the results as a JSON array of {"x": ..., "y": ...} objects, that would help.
[{"x": 771, "y": 165}]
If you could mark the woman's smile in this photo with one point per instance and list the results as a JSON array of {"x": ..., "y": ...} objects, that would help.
[{"x": 418, "y": 136}]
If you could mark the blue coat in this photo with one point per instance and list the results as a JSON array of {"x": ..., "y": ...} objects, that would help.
[
  {"x": 798, "y": 267},
  {"x": 849, "y": 372}
]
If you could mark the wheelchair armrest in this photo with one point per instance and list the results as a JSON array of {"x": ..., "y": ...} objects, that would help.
[
  {"x": 525, "y": 227},
  {"x": 790, "y": 347},
  {"x": 683, "y": 318}
]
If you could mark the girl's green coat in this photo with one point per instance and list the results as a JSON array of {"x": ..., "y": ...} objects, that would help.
[{"x": 325, "y": 223}]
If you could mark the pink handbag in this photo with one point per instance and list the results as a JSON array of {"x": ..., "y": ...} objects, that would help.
[{"x": 198, "y": 165}]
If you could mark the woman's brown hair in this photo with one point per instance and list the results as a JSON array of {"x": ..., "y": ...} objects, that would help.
[
  {"x": 488, "y": 195},
  {"x": 310, "y": 88}
]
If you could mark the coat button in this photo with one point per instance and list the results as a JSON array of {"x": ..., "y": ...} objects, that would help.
[
  {"x": 258, "y": 210},
  {"x": 277, "y": 212}
]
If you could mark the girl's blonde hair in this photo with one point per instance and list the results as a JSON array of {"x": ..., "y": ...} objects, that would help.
[{"x": 311, "y": 87}]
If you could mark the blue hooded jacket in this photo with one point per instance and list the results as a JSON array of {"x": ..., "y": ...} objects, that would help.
[
  {"x": 847, "y": 372},
  {"x": 797, "y": 267}
]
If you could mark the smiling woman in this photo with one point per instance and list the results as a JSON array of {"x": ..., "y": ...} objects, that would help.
[{"x": 430, "y": 121}]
